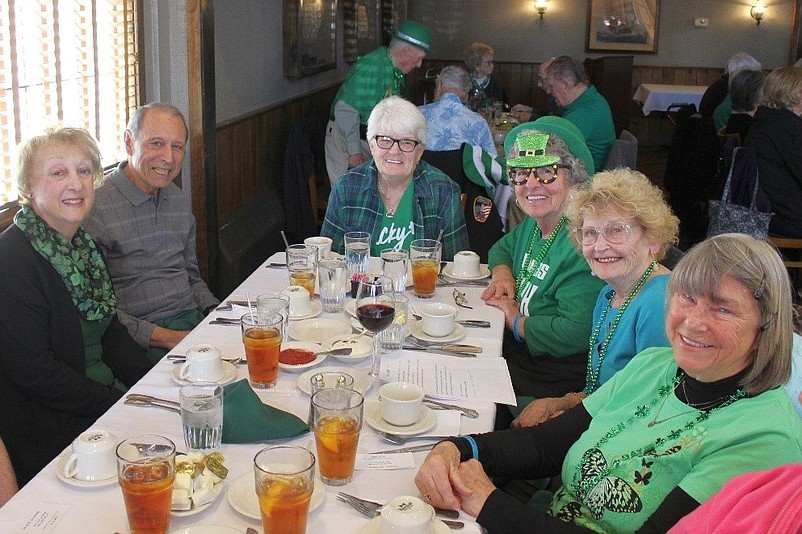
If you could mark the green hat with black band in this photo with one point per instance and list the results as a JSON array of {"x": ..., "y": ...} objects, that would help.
[
  {"x": 414, "y": 33},
  {"x": 532, "y": 148}
]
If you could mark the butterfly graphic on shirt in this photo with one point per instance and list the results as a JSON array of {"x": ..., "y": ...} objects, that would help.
[{"x": 609, "y": 491}]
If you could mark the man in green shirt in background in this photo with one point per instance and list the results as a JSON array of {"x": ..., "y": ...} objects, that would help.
[{"x": 374, "y": 76}]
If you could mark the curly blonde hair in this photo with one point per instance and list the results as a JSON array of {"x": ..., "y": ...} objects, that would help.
[{"x": 631, "y": 193}]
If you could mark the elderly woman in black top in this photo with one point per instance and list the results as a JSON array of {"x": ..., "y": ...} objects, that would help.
[{"x": 66, "y": 358}]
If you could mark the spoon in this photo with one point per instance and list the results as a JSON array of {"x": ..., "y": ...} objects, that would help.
[{"x": 395, "y": 439}]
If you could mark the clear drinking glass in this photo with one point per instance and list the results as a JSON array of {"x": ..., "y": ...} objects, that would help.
[
  {"x": 277, "y": 303},
  {"x": 375, "y": 309},
  {"x": 357, "y": 253},
  {"x": 146, "y": 472},
  {"x": 202, "y": 416},
  {"x": 285, "y": 478},
  {"x": 393, "y": 337},
  {"x": 395, "y": 264},
  {"x": 336, "y": 421},
  {"x": 302, "y": 266},
  {"x": 261, "y": 336},
  {"x": 425, "y": 257},
  {"x": 333, "y": 273}
]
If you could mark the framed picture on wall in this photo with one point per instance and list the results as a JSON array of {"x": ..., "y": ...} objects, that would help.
[
  {"x": 310, "y": 44},
  {"x": 361, "y": 27},
  {"x": 623, "y": 26}
]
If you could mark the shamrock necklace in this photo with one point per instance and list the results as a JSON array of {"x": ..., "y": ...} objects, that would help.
[
  {"x": 592, "y": 374},
  {"x": 528, "y": 268}
]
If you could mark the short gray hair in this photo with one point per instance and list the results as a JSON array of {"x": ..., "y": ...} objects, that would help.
[
  {"x": 455, "y": 79},
  {"x": 135, "y": 124},
  {"x": 567, "y": 69},
  {"x": 740, "y": 61},
  {"x": 394, "y": 114}
]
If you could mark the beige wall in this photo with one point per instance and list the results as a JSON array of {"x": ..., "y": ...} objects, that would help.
[{"x": 515, "y": 31}]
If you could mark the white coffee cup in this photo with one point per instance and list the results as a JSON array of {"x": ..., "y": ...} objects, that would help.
[
  {"x": 401, "y": 403},
  {"x": 323, "y": 245},
  {"x": 204, "y": 364},
  {"x": 437, "y": 318},
  {"x": 466, "y": 263},
  {"x": 407, "y": 515},
  {"x": 300, "y": 302},
  {"x": 93, "y": 456}
]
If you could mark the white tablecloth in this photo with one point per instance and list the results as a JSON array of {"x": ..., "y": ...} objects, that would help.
[
  {"x": 658, "y": 96},
  {"x": 101, "y": 510}
]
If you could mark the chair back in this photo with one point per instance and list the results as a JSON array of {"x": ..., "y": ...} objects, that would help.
[{"x": 623, "y": 153}]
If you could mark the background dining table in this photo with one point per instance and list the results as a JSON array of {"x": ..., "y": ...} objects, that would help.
[
  {"x": 49, "y": 504},
  {"x": 659, "y": 96}
]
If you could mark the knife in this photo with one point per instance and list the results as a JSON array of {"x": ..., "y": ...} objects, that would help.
[
  {"x": 414, "y": 448},
  {"x": 224, "y": 323},
  {"x": 443, "y": 352}
]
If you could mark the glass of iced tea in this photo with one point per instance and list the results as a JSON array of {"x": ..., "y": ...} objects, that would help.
[
  {"x": 336, "y": 421},
  {"x": 146, "y": 470},
  {"x": 424, "y": 254},
  {"x": 261, "y": 334},
  {"x": 302, "y": 266},
  {"x": 285, "y": 478}
]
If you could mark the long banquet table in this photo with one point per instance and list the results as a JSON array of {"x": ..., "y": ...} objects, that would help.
[{"x": 47, "y": 504}]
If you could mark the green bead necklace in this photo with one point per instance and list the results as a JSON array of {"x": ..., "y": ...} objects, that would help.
[
  {"x": 592, "y": 374},
  {"x": 528, "y": 268},
  {"x": 642, "y": 412}
]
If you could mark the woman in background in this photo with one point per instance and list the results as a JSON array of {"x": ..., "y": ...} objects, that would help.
[{"x": 485, "y": 87}]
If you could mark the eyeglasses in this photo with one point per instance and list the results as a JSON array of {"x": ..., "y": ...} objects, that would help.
[
  {"x": 614, "y": 233},
  {"x": 545, "y": 174},
  {"x": 386, "y": 143}
]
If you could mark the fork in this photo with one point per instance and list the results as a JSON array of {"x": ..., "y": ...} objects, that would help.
[
  {"x": 460, "y": 299},
  {"x": 372, "y": 509}
]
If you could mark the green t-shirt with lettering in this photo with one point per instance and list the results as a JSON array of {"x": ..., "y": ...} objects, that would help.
[{"x": 396, "y": 232}]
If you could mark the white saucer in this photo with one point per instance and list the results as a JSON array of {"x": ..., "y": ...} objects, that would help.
[
  {"x": 314, "y": 347},
  {"x": 350, "y": 307},
  {"x": 416, "y": 329},
  {"x": 374, "y": 526},
  {"x": 362, "y": 382},
  {"x": 361, "y": 346},
  {"x": 448, "y": 270},
  {"x": 229, "y": 375},
  {"x": 217, "y": 489},
  {"x": 318, "y": 330},
  {"x": 242, "y": 496},
  {"x": 316, "y": 308},
  {"x": 373, "y": 417},
  {"x": 207, "y": 529},
  {"x": 62, "y": 462}
]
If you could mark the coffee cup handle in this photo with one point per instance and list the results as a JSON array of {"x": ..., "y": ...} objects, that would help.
[
  {"x": 71, "y": 467},
  {"x": 183, "y": 373}
]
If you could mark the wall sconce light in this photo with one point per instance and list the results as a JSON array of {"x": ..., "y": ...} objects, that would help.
[
  {"x": 541, "y": 6},
  {"x": 757, "y": 11}
]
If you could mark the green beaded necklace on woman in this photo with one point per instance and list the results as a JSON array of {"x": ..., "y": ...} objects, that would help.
[
  {"x": 592, "y": 373},
  {"x": 528, "y": 268}
]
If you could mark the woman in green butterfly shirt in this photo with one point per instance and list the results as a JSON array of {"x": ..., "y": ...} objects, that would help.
[
  {"x": 65, "y": 358},
  {"x": 540, "y": 282},
  {"x": 666, "y": 432}
]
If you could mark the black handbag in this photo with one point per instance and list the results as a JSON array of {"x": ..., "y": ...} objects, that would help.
[{"x": 730, "y": 216}]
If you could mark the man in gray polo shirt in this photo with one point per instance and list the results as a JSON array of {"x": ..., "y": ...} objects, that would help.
[{"x": 143, "y": 224}]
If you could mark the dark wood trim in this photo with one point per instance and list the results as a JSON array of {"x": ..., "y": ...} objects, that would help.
[{"x": 795, "y": 47}]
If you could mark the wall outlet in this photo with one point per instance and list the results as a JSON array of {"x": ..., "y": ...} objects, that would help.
[{"x": 701, "y": 22}]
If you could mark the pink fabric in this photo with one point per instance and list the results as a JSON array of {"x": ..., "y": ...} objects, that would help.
[{"x": 763, "y": 502}]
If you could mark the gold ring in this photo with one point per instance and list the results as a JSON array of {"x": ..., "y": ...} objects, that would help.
[{"x": 427, "y": 497}]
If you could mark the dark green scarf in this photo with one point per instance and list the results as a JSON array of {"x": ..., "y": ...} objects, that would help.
[{"x": 78, "y": 262}]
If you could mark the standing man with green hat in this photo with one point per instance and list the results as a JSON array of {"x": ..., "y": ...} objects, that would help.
[{"x": 373, "y": 77}]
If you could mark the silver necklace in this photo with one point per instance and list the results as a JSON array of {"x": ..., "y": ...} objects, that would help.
[
  {"x": 390, "y": 206},
  {"x": 701, "y": 406}
]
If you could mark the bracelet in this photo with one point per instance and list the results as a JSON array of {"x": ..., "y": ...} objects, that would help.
[
  {"x": 515, "y": 333},
  {"x": 474, "y": 447}
]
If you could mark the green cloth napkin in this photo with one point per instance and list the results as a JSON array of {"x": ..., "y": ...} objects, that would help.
[{"x": 247, "y": 420}]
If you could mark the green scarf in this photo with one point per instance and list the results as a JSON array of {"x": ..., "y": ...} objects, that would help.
[{"x": 78, "y": 262}]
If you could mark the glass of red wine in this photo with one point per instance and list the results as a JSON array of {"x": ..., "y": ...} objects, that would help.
[{"x": 375, "y": 309}]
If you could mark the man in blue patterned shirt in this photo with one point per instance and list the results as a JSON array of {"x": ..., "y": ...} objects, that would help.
[{"x": 450, "y": 122}]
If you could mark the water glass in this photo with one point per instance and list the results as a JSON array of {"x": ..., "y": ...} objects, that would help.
[
  {"x": 202, "y": 416},
  {"x": 302, "y": 266},
  {"x": 333, "y": 273},
  {"x": 277, "y": 303},
  {"x": 357, "y": 253},
  {"x": 393, "y": 337},
  {"x": 285, "y": 478},
  {"x": 395, "y": 264},
  {"x": 336, "y": 421},
  {"x": 425, "y": 257},
  {"x": 146, "y": 472}
]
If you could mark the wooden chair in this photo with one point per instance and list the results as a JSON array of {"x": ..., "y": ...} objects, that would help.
[{"x": 789, "y": 243}]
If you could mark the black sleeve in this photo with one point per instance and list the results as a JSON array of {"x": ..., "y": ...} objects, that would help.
[
  {"x": 533, "y": 452},
  {"x": 674, "y": 507},
  {"x": 127, "y": 360}
]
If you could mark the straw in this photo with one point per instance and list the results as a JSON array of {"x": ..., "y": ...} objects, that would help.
[
  {"x": 284, "y": 237},
  {"x": 440, "y": 235},
  {"x": 248, "y": 298}
]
